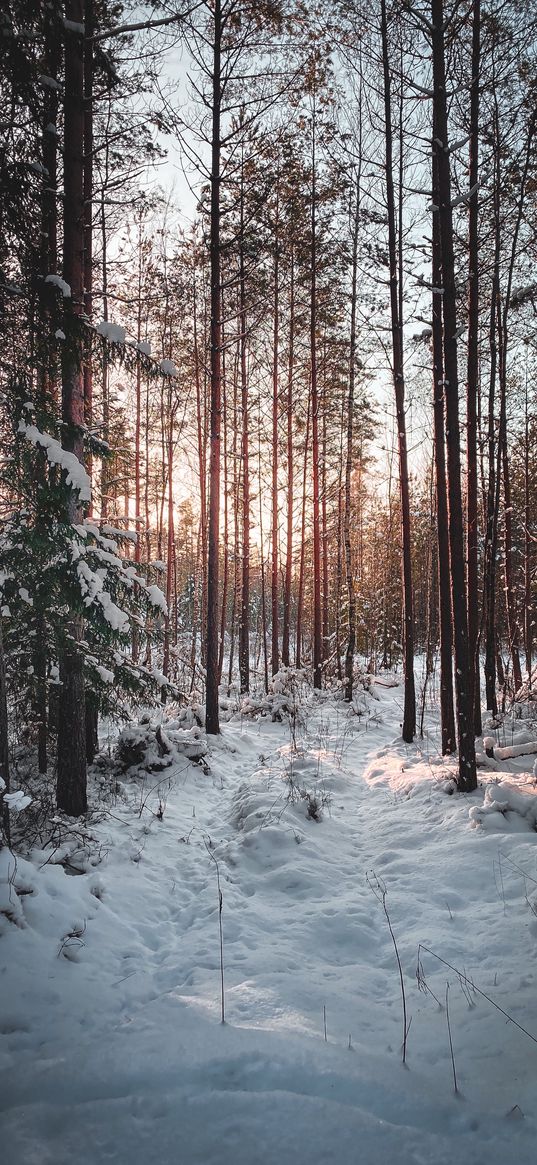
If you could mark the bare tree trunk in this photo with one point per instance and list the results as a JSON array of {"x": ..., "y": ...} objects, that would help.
[
  {"x": 503, "y": 338},
  {"x": 510, "y": 604},
  {"x": 71, "y": 779},
  {"x": 244, "y": 629},
  {"x": 409, "y": 712},
  {"x": 492, "y": 498},
  {"x": 202, "y": 463},
  {"x": 447, "y": 711},
  {"x": 317, "y": 611},
  {"x": 262, "y": 560},
  {"x": 290, "y": 470},
  {"x": 4, "y": 738},
  {"x": 467, "y": 777},
  {"x": 105, "y": 385},
  {"x": 324, "y": 534},
  {"x": 528, "y": 557},
  {"x": 300, "y": 597},
  {"x": 472, "y": 532},
  {"x": 170, "y": 555},
  {"x": 225, "y": 580},
  {"x": 235, "y": 496},
  {"x": 138, "y": 440},
  {"x": 48, "y": 380},
  {"x": 212, "y": 720},
  {"x": 275, "y": 655},
  {"x": 351, "y": 593},
  {"x": 88, "y": 216}
]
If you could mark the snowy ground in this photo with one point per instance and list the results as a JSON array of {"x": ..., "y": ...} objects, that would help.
[{"x": 111, "y": 1046}]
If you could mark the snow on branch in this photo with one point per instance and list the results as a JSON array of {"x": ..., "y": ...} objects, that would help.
[
  {"x": 60, "y": 283},
  {"x": 75, "y": 473}
]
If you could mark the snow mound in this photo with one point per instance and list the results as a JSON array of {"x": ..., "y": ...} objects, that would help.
[
  {"x": 114, "y": 333},
  {"x": 506, "y": 806},
  {"x": 17, "y": 877},
  {"x": 154, "y": 746}
]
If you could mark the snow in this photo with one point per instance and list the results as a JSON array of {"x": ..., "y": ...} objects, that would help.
[
  {"x": 60, "y": 283},
  {"x": 157, "y": 598},
  {"x": 17, "y": 801},
  {"x": 92, "y": 589},
  {"x": 115, "y": 333},
  {"x": 111, "y": 1043},
  {"x": 168, "y": 368},
  {"x": 75, "y": 473},
  {"x": 73, "y": 26},
  {"x": 48, "y": 82}
]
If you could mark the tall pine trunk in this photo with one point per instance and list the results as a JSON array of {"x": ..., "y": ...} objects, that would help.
[
  {"x": 212, "y": 720},
  {"x": 447, "y": 711},
  {"x": 275, "y": 655},
  {"x": 244, "y": 625},
  {"x": 286, "y": 629},
  {"x": 351, "y": 593},
  {"x": 317, "y": 610},
  {"x": 467, "y": 777},
  {"x": 71, "y": 779},
  {"x": 394, "y": 245},
  {"x": 472, "y": 532}
]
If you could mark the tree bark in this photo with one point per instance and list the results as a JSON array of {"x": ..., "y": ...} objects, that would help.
[
  {"x": 275, "y": 654},
  {"x": 4, "y": 738},
  {"x": 447, "y": 711},
  {"x": 351, "y": 593},
  {"x": 409, "y": 711},
  {"x": 71, "y": 779},
  {"x": 212, "y": 720},
  {"x": 317, "y": 610},
  {"x": 472, "y": 531},
  {"x": 290, "y": 470},
  {"x": 244, "y": 628},
  {"x": 467, "y": 776}
]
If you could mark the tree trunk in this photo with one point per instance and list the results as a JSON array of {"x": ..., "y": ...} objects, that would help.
[
  {"x": 447, "y": 711},
  {"x": 492, "y": 497},
  {"x": 324, "y": 535},
  {"x": 409, "y": 711},
  {"x": 290, "y": 469},
  {"x": 275, "y": 655},
  {"x": 528, "y": 556},
  {"x": 467, "y": 777},
  {"x": 202, "y": 463},
  {"x": 472, "y": 532},
  {"x": 300, "y": 596},
  {"x": 71, "y": 780},
  {"x": 351, "y": 594},
  {"x": 244, "y": 628},
  {"x": 4, "y": 738},
  {"x": 170, "y": 554},
  {"x": 212, "y": 720},
  {"x": 317, "y": 610},
  {"x": 225, "y": 580},
  {"x": 88, "y": 218}
]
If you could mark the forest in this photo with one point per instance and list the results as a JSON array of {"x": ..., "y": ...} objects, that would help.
[
  {"x": 303, "y": 407},
  {"x": 268, "y": 527}
]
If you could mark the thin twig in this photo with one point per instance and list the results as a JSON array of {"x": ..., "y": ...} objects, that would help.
[
  {"x": 378, "y": 887},
  {"x": 220, "y": 907},
  {"x": 451, "y": 1041},
  {"x": 445, "y": 963}
]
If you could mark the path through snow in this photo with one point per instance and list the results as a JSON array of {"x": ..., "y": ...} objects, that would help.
[{"x": 112, "y": 1051}]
